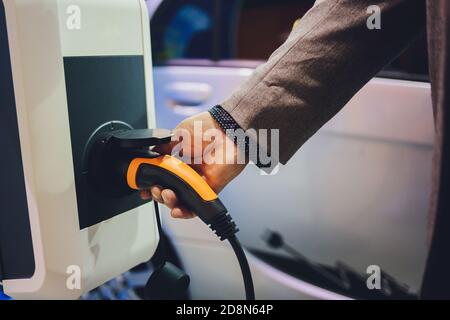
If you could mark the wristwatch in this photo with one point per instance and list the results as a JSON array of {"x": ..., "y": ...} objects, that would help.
[{"x": 230, "y": 126}]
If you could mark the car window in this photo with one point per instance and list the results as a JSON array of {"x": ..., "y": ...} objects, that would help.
[
  {"x": 183, "y": 29},
  {"x": 247, "y": 31},
  {"x": 412, "y": 64},
  {"x": 263, "y": 25}
]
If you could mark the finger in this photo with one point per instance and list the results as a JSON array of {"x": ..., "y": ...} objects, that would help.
[
  {"x": 163, "y": 149},
  {"x": 181, "y": 213},
  {"x": 170, "y": 198},
  {"x": 145, "y": 194},
  {"x": 156, "y": 193}
]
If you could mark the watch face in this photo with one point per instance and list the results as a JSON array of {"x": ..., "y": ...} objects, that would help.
[{"x": 103, "y": 93}]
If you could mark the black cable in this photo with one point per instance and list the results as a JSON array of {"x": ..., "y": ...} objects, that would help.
[
  {"x": 238, "y": 251},
  {"x": 245, "y": 268},
  {"x": 159, "y": 260},
  {"x": 224, "y": 227},
  {"x": 215, "y": 216}
]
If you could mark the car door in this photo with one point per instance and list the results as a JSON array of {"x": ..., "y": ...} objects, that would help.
[{"x": 357, "y": 192}]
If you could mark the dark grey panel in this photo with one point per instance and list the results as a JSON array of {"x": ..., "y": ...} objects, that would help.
[
  {"x": 101, "y": 90},
  {"x": 16, "y": 247}
]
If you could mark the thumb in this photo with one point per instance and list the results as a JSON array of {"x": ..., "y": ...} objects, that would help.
[{"x": 167, "y": 148}]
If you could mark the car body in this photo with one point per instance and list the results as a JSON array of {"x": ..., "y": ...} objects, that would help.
[{"x": 357, "y": 192}]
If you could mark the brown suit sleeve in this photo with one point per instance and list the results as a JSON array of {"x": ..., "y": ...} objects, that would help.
[{"x": 324, "y": 62}]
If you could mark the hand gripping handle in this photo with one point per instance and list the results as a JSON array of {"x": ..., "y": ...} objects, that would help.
[{"x": 169, "y": 172}]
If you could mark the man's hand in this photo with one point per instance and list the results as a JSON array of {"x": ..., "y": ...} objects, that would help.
[{"x": 218, "y": 175}]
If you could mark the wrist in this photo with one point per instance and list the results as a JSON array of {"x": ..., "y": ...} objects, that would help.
[
  {"x": 231, "y": 128},
  {"x": 234, "y": 132},
  {"x": 234, "y": 151}
]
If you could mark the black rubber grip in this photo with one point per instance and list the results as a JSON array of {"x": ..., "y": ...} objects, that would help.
[{"x": 208, "y": 211}]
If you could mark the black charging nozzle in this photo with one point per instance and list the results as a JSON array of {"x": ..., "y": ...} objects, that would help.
[{"x": 121, "y": 162}]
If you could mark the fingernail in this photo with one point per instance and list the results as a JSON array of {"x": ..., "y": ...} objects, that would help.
[{"x": 163, "y": 197}]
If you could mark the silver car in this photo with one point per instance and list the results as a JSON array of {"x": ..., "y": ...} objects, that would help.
[{"x": 353, "y": 198}]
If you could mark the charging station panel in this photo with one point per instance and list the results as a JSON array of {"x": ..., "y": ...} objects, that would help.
[
  {"x": 64, "y": 80},
  {"x": 102, "y": 92}
]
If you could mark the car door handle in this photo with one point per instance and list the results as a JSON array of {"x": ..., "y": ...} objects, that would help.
[{"x": 187, "y": 94}]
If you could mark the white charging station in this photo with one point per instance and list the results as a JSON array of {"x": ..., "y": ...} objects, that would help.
[{"x": 69, "y": 68}]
